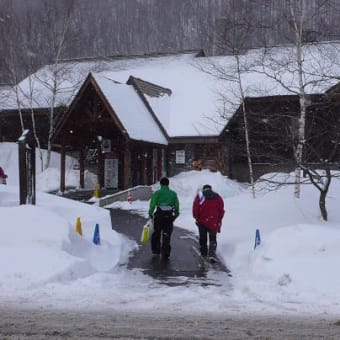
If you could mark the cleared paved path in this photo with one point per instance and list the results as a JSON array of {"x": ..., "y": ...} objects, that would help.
[{"x": 184, "y": 265}]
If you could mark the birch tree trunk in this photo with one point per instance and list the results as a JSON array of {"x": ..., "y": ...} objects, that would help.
[
  {"x": 297, "y": 16},
  {"x": 31, "y": 96},
  {"x": 246, "y": 127}
]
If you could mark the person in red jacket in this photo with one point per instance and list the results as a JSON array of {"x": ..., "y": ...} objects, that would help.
[
  {"x": 208, "y": 211},
  {"x": 3, "y": 176}
]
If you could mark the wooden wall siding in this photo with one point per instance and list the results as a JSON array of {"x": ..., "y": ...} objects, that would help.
[
  {"x": 172, "y": 167},
  {"x": 145, "y": 163},
  {"x": 10, "y": 126},
  {"x": 240, "y": 171},
  {"x": 272, "y": 122},
  {"x": 222, "y": 159},
  {"x": 213, "y": 156}
]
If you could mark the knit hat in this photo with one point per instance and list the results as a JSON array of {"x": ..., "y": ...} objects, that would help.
[
  {"x": 207, "y": 187},
  {"x": 164, "y": 181}
]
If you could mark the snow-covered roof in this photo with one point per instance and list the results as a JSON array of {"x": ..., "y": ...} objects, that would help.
[
  {"x": 202, "y": 89},
  {"x": 130, "y": 110},
  {"x": 192, "y": 103},
  {"x": 69, "y": 76}
]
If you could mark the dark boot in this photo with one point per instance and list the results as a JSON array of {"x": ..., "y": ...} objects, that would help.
[
  {"x": 212, "y": 244},
  {"x": 203, "y": 240}
]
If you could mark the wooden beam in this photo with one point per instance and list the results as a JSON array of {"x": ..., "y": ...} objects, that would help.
[
  {"x": 62, "y": 168},
  {"x": 160, "y": 164},
  {"x": 100, "y": 164},
  {"x": 127, "y": 165},
  {"x": 144, "y": 171},
  {"x": 22, "y": 172},
  {"x": 81, "y": 168}
]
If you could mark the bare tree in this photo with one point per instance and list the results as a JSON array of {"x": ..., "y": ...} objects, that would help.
[
  {"x": 296, "y": 69},
  {"x": 30, "y": 97},
  {"x": 232, "y": 37},
  {"x": 58, "y": 37},
  {"x": 322, "y": 147},
  {"x": 26, "y": 93}
]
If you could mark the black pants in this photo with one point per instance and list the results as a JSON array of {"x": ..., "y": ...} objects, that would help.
[
  {"x": 161, "y": 237},
  {"x": 203, "y": 235}
]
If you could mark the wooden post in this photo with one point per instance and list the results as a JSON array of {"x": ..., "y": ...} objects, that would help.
[
  {"x": 100, "y": 163},
  {"x": 26, "y": 153},
  {"x": 144, "y": 170},
  {"x": 33, "y": 193},
  {"x": 81, "y": 168},
  {"x": 22, "y": 171},
  {"x": 127, "y": 165},
  {"x": 62, "y": 168},
  {"x": 159, "y": 164}
]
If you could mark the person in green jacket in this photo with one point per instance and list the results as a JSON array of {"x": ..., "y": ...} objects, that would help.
[{"x": 164, "y": 209}]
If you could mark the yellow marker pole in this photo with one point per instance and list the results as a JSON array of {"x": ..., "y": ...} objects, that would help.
[
  {"x": 96, "y": 191},
  {"x": 78, "y": 227}
]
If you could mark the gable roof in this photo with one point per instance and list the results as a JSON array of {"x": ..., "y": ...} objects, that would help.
[
  {"x": 130, "y": 110},
  {"x": 123, "y": 105},
  {"x": 184, "y": 101}
]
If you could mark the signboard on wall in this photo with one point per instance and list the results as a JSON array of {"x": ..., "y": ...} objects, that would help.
[
  {"x": 106, "y": 145},
  {"x": 180, "y": 156}
]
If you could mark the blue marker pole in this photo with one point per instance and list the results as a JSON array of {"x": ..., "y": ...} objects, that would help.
[
  {"x": 257, "y": 238},
  {"x": 96, "y": 237}
]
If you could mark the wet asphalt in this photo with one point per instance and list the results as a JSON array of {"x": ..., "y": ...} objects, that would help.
[{"x": 184, "y": 266}]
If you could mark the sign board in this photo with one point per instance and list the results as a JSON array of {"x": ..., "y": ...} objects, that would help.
[
  {"x": 180, "y": 156},
  {"x": 111, "y": 173},
  {"x": 106, "y": 145}
]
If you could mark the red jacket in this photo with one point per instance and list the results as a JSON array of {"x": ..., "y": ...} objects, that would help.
[
  {"x": 2, "y": 173},
  {"x": 208, "y": 210}
]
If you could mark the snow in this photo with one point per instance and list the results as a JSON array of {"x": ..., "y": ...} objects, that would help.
[
  {"x": 198, "y": 98},
  {"x": 46, "y": 264},
  {"x": 131, "y": 111},
  {"x": 191, "y": 108}
]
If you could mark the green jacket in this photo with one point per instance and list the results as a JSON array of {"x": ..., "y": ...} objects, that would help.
[{"x": 164, "y": 197}]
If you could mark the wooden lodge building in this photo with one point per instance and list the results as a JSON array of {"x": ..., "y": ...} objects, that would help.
[
  {"x": 131, "y": 145},
  {"x": 115, "y": 128}
]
